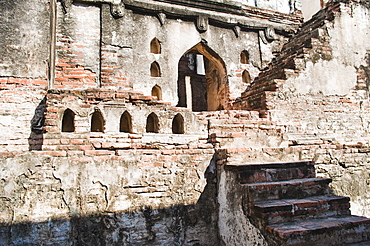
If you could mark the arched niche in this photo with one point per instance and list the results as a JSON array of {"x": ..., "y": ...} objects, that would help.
[
  {"x": 155, "y": 70},
  {"x": 178, "y": 124},
  {"x": 202, "y": 80},
  {"x": 125, "y": 124},
  {"x": 244, "y": 57},
  {"x": 152, "y": 123},
  {"x": 155, "y": 46},
  {"x": 157, "y": 92},
  {"x": 68, "y": 121},
  {"x": 97, "y": 122},
  {"x": 246, "y": 78}
]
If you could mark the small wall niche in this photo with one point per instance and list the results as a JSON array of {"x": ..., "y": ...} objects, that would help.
[
  {"x": 155, "y": 46},
  {"x": 178, "y": 124},
  {"x": 155, "y": 70},
  {"x": 246, "y": 78},
  {"x": 97, "y": 122},
  {"x": 68, "y": 121},
  {"x": 125, "y": 122},
  {"x": 157, "y": 92},
  {"x": 152, "y": 123},
  {"x": 244, "y": 57}
]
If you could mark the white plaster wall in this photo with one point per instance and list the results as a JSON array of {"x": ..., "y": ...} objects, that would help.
[
  {"x": 309, "y": 8},
  {"x": 24, "y": 38}
]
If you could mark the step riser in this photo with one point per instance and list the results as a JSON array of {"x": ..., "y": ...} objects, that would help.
[
  {"x": 278, "y": 174},
  {"x": 287, "y": 191},
  {"x": 334, "y": 238},
  {"x": 301, "y": 214}
]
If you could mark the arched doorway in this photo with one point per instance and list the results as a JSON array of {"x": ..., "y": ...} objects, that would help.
[{"x": 202, "y": 80}]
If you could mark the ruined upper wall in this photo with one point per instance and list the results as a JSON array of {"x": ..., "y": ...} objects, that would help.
[
  {"x": 348, "y": 39},
  {"x": 284, "y": 6}
]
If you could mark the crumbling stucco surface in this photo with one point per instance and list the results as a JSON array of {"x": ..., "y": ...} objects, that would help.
[{"x": 112, "y": 201}]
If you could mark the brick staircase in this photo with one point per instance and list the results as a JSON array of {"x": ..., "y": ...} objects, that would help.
[{"x": 291, "y": 206}]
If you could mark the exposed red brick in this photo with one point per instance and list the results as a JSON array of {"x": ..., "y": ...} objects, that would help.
[{"x": 99, "y": 152}]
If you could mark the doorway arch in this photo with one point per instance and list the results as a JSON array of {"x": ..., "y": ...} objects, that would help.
[{"x": 202, "y": 83}]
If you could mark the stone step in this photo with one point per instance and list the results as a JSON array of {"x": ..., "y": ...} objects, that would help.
[
  {"x": 365, "y": 243},
  {"x": 331, "y": 231},
  {"x": 290, "y": 189},
  {"x": 287, "y": 210},
  {"x": 271, "y": 172}
]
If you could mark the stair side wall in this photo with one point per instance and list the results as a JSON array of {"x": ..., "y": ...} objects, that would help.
[{"x": 234, "y": 226}]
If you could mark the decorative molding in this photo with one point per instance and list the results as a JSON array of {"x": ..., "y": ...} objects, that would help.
[
  {"x": 270, "y": 34},
  {"x": 66, "y": 4},
  {"x": 207, "y": 5},
  {"x": 202, "y": 23},
  {"x": 162, "y": 18},
  {"x": 117, "y": 10},
  {"x": 208, "y": 12},
  {"x": 236, "y": 30}
]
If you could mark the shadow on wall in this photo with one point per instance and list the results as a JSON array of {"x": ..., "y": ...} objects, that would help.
[
  {"x": 36, "y": 138},
  {"x": 194, "y": 224}
]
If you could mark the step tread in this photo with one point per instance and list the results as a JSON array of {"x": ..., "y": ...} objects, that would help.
[
  {"x": 304, "y": 181},
  {"x": 288, "y": 229}
]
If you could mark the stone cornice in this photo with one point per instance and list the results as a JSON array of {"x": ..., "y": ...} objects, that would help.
[{"x": 221, "y": 14}]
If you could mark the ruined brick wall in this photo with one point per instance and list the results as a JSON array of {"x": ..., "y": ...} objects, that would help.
[
  {"x": 77, "y": 47},
  {"x": 325, "y": 106},
  {"x": 160, "y": 188},
  {"x": 334, "y": 133}
]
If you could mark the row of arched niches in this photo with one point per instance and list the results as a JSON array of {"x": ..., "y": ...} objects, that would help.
[{"x": 125, "y": 125}]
